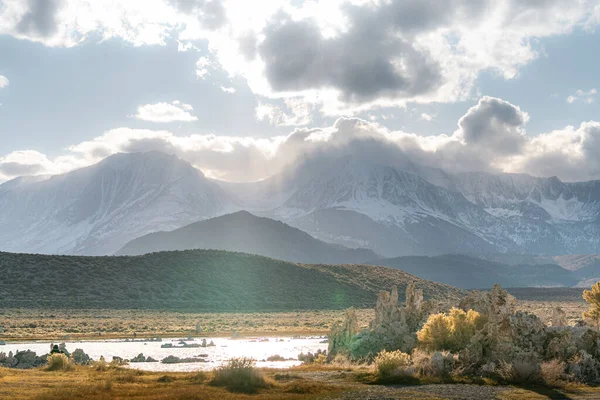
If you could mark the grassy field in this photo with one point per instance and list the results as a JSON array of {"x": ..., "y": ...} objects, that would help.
[
  {"x": 304, "y": 382},
  {"x": 54, "y": 324},
  {"x": 29, "y": 324}
]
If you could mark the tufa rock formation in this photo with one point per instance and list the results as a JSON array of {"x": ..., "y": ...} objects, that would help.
[{"x": 392, "y": 328}]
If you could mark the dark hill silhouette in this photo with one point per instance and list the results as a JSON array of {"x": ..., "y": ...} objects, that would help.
[
  {"x": 202, "y": 280},
  {"x": 247, "y": 233}
]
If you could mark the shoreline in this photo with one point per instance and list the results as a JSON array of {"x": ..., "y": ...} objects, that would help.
[{"x": 148, "y": 339}]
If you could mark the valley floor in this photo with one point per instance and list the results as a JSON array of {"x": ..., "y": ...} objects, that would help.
[
  {"x": 57, "y": 324},
  {"x": 300, "y": 383}
]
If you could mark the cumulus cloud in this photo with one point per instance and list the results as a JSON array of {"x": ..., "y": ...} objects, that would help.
[
  {"x": 388, "y": 53},
  {"x": 427, "y": 117},
  {"x": 166, "y": 112},
  {"x": 343, "y": 56},
  {"x": 489, "y": 137},
  {"x": 3, "y": 81},
  {"x": 495, "y": 126},
  {"x": 584, "y": 96}
]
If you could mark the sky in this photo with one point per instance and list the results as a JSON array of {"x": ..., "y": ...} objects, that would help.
[{"x": 241, "y": 89}]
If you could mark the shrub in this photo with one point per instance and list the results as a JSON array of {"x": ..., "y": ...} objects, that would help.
[
  {"x": 584, "y": 368},
  {"x": 341, "y": 360},
  {"x": 436, "y": 364},
  {"x": 592, "y": 297},
  {"x": 389, "y": 362},
  {"x": 275, "y": 357},
  {"x": 101, "y": 365},
  {"x": 450, "y": 332},
  {"x": 313, "y": 358},
  {"x": 239, "y": 375},
  {"x": 59, "y": 362},
  {"x": 520, "y": 371},
  {"x": 553, "y": 373},
  {"x": 165, "y": 379},
  {"x": 199, "y": 377}
]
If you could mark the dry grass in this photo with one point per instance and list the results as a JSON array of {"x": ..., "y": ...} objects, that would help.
[
  {"x": 87, "y": 383},
  {"x": 57, "y": 324},
  {"x": 59, "y": 362},
  {"x": 240, "y": 375},
  {"x": 60, "y": 324},
  {"x": 543, "y": 309}
]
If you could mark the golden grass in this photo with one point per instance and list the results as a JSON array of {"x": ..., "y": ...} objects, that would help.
[
  {"x": 571, "y": 391},
  {"x": 116, "y": 383},
  {"x": 56, "y": 324}
]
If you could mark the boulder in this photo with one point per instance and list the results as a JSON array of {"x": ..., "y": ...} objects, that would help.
[
  {"x": 139, "y": 358},
  {"x": 79, "y": 357}
]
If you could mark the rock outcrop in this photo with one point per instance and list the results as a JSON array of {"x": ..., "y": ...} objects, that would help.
[
  {"x": 392, "y": 328},
  {"x": 22, "y": 360}
]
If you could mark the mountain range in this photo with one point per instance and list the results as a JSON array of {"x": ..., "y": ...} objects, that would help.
[
  {"x": 247, "y": 233},
  {"x": 393, "y": 210},
  {"x": 468, "y": 272}
]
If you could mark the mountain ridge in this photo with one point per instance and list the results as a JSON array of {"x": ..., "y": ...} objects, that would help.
[
  {"x": 244, "y": 232},
  {"x": 395, "y": 210},
  {"x": 197, "y": 280}
]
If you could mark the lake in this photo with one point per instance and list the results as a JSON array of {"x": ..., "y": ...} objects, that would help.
[{"x": 224, "y": 349}]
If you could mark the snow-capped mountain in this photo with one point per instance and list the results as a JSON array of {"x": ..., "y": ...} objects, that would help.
[
  {"x": 95, "y": 210},
  {"x": 404, "y": 209},
  {"x": 427, "y": 211}
]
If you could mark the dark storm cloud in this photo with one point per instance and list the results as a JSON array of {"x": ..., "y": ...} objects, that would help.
[
  {"x": 40, "y": 19},
  {"x": 375, "y": 58},
  {"x": 361, "y": 64},
  {"x": 494, "y": 125}
]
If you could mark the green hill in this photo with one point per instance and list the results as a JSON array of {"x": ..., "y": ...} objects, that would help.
[{"x": 202, "y": 280}]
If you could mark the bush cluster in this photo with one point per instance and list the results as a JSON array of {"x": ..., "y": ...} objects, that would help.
[{"x": 239, "y": 375}]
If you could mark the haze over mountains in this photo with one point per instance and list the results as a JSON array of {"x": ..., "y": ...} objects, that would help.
[
  {"x": 467, "y": 272},
  {"x": 404, "y": 209},
  {"x": 244, "y": 232}
]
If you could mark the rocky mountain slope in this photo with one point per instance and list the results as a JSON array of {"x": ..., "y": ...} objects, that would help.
[
  {"x": 244, "y": 232},
  {"x": 197, "y": 280},
  {"x": 394, "y": 210},
  {"x": 427, "y": 211},
  {"x": 95, "y": 210},
  {"x": 474, "y": 273}
]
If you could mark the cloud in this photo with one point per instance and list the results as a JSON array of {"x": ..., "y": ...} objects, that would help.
[
  {"x": 165, "y": 112},
  {"x": 584, "y": 96},
  {"x": 40, "y": 20},
  {"x": 300, "y": 113},
  {"x": 490, "y": 136},
  {"x": 342, "y": 56},
  {"x": 210, "y": 13},
  {"x": 493, "y": 125},
  {"x": 3, "y": 81},
  {"x": 203, "y": 67},
  {"x": 427, "y": 117},
  {"x": 351, "y": 56},
  {"x": 229, "y": 90}
]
